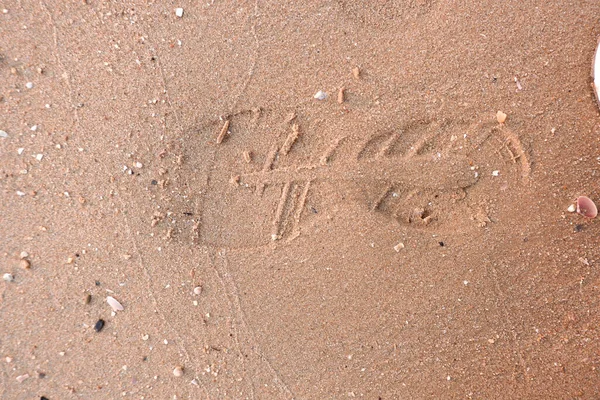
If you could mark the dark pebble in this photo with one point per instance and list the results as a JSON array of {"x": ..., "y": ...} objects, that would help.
[
  {"x": 99, "y": 325},
  {"x": 153, "y": 182},
  {"x": 442, "y": 244},
  {"x": 578, "y": 228},
  {"x": 43, "y": 398},
  {"x": 97, "y": 283}
]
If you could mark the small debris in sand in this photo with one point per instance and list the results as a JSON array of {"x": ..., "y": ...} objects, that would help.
[
  {"x": 8, "y": 359},
  {"x": 99, "y": 325},
  {"x": 29, "y": 85},
  {"x": 21, "y": 378},
  {"x": 465, "y": 282},
  {"x": 399, "y": 246},
  {"x": 25, "y": 264},
  {"x": 179, "y": 12},
  {"x": 572, "y": 208},
  {"x": 178, "y": 371},
  {"x": 19, "y": 193},
  {"x": 356, "y": 72},
  {"x": 198, "y": 290},
  {"x": 116, "y": 306},
  {"x": 247, "y": 156},
  {"x": 491, "y": 341},
  {"x": 87, "y": 299},
  {"x": 495, "y": 173},
  {"x": 70, "y": 260},
  {"x": 20, "y": 150},
  {"x": 586, "y": 207},
  {"x": 501, "y": 117},
  {"x": 320, "y": 95},
  {"x": 34, "y": 128},
  {"x": 223, "y": 133},
  {"x": 341, "y": 97},
  {"x": 23, "y": 255},
  {"x": 39, "y": 157},
  {"x": 3, "y": 134},
  {"x": 145, "y": 337},
  {"x": 8, "y": 277},
  {"x": 139, "y": 165}
]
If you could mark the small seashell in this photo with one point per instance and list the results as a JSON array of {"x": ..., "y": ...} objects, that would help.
[
  {"x": 116, "y": 306},
  {"x": 596, "y": 73},
  {"x": 178, "y": 371},
  {"x": 320, "y": 95},
  {"x": 572, "y": 208},
  {"x": 586, "y": 207}
]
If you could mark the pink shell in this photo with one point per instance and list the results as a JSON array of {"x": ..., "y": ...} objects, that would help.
[{"x": 586, "y": 207}]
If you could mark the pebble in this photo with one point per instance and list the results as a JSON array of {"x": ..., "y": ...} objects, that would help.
[
  {"x": 8, "y": 277},
  {"x": 495, "y": 173},
  {"x": 501, "y": 117},
  {"x": 21, "y": 378},
  {"x": 399, "y": 247},
  {"x": 99, "y": 325},
  {"x": 29, "y": 85},
  {"x": 179, "y": 12},
  {"x": 356, "y": 72},
  {"x": 178, "y": 371},
  {"x": 320, "y": 95},
  {"x": 3, "y": 134},
  {"x": 25, "y": 264},
  {"x": 572, "y": 208},
  {"x": 87, "y": 299},
  {"x": 24, "y": 254},
  {"x": 197, "y": 290}
]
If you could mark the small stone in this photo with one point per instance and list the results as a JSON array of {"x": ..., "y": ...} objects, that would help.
[
  {"x": 25, "y": 264},
  {"x": 8, "y": 359},
  {"x": 197, "y": 290},
  {"x": 29, "y": 85},
  {"x": 341, "y": 96},
  {"x": 20, "y": 150},
  {"x": 495, "y": 173},
  {"x": 8, "y": 277},
  {"x": 19, "y": 193},
  {"x": 178, "y": 371},
  {"x": 491, "y": 341},
  {"x": 399, "y": 246},
  {"x": 23, "y": 255},
  {"x": 87, "y": 299},
  {"x": 320, "y": 95},
  {"x": 139, "y": 165},
  {"x": 21, "y": 378},
  {"x": 356, "y": 72},
  {"x": 39, "y": 157},
  {"x": 34, "y": 128},
  {"x": 3, "y": 134},
  {"x": 179, "y": 12},
  {"x": 99, "y": 325},
  {"x": 145, "y": 337},
  {"x": 572, "y": 208},
  {"x": 70, "y": 260},
  {"x": 501, "y": 117}
]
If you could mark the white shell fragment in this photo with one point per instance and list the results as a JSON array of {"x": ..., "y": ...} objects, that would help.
[
  {"x": 320, "y": 95},
  {"x": 572, "y": 208},
  {"x": 116, "y": 306},
  {"x": 3, "y": 134},
  {"x": 596, "y": 72},
  {"x": 179, "y": 12},
  {"x": 8, "y": 277}
]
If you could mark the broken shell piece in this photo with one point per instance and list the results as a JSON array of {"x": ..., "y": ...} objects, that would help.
[
  {"x": 116, "y": 306},
  {"x": 596, "y": 72},
  {"x": 586, "y": 207},
  {"x": 501, "y": 117},
  {"x": 320, "y": 95},
  {"x": 572, "y": 208}
]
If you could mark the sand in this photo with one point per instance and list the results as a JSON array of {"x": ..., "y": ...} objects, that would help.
[{"x": 392, "y": 242}]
